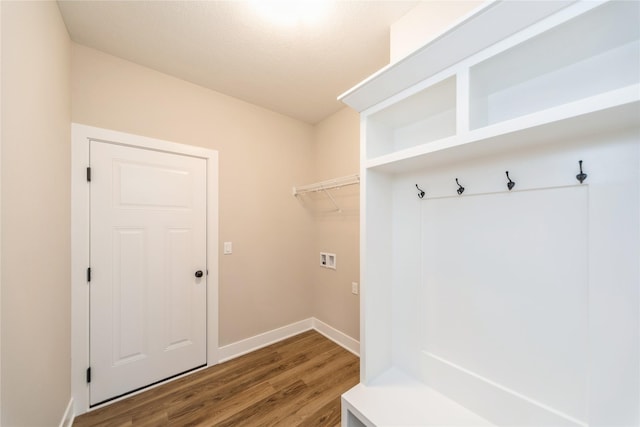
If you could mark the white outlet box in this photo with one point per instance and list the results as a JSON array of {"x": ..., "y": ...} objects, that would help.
[
  {"x": 228, "y": 248},
  {"x": 328, "y": 260},
  {"x": 354, "y": 288},
  {"x": 331, "y": 261}
]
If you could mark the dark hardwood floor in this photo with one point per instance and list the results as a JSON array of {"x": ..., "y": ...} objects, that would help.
[{"x": 295, "y": 382}]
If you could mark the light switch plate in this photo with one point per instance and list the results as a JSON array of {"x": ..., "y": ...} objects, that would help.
[{"x": 228, "y": 248}]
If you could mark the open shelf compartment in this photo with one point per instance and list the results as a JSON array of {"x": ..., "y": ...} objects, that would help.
[
  {"x": 594, "y": 53},
  {"x": 426, "y": 116}
]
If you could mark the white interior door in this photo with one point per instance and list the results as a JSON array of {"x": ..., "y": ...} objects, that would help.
[{"x": 148, "y": 245}]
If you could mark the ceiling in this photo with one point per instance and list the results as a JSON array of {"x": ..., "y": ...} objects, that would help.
[{"x": 297, "y": 68}]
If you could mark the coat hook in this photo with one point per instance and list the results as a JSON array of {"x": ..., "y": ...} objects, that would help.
[
  {"x": 420, "y": 192},
  {"x": 460, "y": 189},
  {"x": 581, "y": 176},
  {"x": 510, "y": 184}
]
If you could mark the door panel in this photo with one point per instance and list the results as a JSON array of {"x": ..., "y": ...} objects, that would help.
[
  {"x": 148, "y": 228},
  {"x": 178, "y": 319},
  {"x": 128, "y": 304}
]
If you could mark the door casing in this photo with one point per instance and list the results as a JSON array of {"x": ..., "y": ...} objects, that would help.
[{"x": 80, "y": 214}]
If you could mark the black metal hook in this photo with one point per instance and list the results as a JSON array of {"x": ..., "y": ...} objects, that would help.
[
  {"x": 510, "y": 184},
  {"x": 420, "y": 192},
  {"x": 460, "y": 189},
  {"x": 581, "y": 176}
]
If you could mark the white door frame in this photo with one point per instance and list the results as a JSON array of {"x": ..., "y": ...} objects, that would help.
[{"x": 80, "y": 137}]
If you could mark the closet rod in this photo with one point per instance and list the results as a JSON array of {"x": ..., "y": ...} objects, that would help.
[{"x": 327, "y": 185}]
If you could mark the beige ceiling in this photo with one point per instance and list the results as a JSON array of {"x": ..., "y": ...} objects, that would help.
[{"x": 228, "y": 46}]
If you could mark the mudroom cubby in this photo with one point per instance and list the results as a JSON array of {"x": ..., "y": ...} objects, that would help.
[
  {"x": 500, "y": 224},
  {"x": 587, "y": 56},
  {"x": 425, "y": 116}
]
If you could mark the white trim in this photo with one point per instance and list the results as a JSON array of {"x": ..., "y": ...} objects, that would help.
[
  {"x": 337, "y": 336},
  {"x": 79, "y": 263},
  {"x": 68, "y": 416},
  {"x": 1, "y": 287},
  {"x": 247, "y": 345},
  {"x": 80, "y": 135},
  {"x": 490, "y": 386}
]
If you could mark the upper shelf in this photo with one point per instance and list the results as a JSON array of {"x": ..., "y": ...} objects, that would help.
[
  {"x": 590, "y": 54},
  {"x": 576, "y": 70},
  {"x": 426, "y": 116},
  {"x": 470, "y": 35},
  {"x": 615, "y": 111}
]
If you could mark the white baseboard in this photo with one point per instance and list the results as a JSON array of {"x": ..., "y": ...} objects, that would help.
[
  {"x": 67, "y": 418},
  {"x": 336, "y": 336},
  {"x": 239, "y": 348}
]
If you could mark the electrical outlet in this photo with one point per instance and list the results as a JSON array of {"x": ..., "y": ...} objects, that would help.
[
  {"x": 354, "y": 288},
  {"x": 228, "y": 248},
  {"x": 323, "y": 259},
  {"x": 331, "y": 261},
  {"x": 328, "y": 260}
]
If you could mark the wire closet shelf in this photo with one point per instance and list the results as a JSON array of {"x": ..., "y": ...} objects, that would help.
[{"x": 325, "y": 186}]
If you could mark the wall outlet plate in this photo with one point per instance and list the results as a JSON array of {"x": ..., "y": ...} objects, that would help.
[
  {"x": 331, "y": 261},
  {"x": 328, "y": 260}
]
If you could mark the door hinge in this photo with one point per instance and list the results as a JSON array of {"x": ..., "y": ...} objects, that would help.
[
  {"x": 89, "y": 274},
  {"x": 88, "y": 174},
  {"x": 88, "y": 375}
]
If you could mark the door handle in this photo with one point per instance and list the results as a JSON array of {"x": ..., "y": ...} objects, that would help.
[{"x": 199, "y": 274}]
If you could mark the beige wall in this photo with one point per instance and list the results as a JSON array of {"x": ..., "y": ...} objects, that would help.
[
  {"x": 265, "y": 283},
  {"x": 424, "y": 22},
  {"x": 35, "y": 215},
  {"x": 336, "y": 154}
]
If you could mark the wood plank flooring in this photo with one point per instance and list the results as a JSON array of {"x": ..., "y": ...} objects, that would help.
[{"x": 295, "y": 382}]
